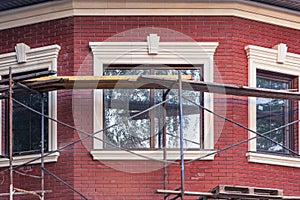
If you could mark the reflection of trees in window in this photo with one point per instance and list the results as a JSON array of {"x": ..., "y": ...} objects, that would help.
[
  {"x": 27, "y": 125},
  {"x": 145, "y": 130},
  {"x": 273, "y": 113}
]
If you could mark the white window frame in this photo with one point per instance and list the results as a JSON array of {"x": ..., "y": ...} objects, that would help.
[
  {"x": 277, "y": 60},
  {"x": 26, "y": 59},
  {"x": 105, "y": 53}
]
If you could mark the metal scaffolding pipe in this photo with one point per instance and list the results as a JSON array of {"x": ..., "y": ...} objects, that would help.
[
  {"x": 42, "y": 146},
  {"x": 164, "y": 139},
  {"x": 10, "y": 116},
  {"x": 65, "y": 183},
  {"x": 181, "y": 133}
]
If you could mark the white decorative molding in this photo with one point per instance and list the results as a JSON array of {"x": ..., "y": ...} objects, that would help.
[
  {"x": 36, "y": 59},
  {"x": 281, "y": 54},
  {"x": 158, "y": 155},
  {"x": 153, "y": 44},
  {"x": 169, "y": 53},
  {"x": 21, "y": 51},
  {"x": 200, "y": 53},
  {"x": 19, "y": 160},
  {"x": 67, "y": 8},
  {"x": 273, "y": 159},
  {"x": 266, "y": 59}
]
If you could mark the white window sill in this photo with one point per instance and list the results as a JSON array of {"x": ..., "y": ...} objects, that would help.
[
  {"x": 158, "y": 154},
  {"x": 273, "y": 159},
  {"x": 18, "y": 160}
]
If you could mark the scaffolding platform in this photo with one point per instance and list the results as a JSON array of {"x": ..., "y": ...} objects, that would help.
[
  {"x": 43, "y": 82},
  {"x": 245, "y": 191},
  {"x": 50, "y": 83},
  {"x": 234, "y": 192}
]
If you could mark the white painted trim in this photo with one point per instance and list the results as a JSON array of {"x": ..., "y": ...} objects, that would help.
[
  {"x": 21, "y": 52},
  {"x": 168, "y": 53},
  {"x": 158, "y": 155},
  {"x": 67, "y": 8},
  {"x": 52, "y": 126},
  {"x": 36, "y": 59},
  {"x": 19, "y": 160},
  {"x": 266, "y": 59},
  {"x": 255, "y": 157}
]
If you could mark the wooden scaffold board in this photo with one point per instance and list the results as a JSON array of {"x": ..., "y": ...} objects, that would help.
[{"x": 45, "y": 84}]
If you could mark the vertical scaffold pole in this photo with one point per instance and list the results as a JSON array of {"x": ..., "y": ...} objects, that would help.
[
  {"x": 10, "y": 116},
  {"x": 164, "y": 140},
  {"x": 181, "y": 133},
  {"x": 42, "y": 146}
]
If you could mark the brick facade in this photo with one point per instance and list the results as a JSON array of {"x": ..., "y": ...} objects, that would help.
[{"x": 96, "y": 180}]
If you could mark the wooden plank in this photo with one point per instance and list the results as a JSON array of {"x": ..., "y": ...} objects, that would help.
[
  {"x": 150, "y": 82},
  {"x": 246, "y": 196},
  {"x": 224, "y": 189},
  {"x": 221, "y": 195},
  {"x": 109, "y": 78},
  {"x": 227, "y": 89},
  {"x": 23, "y": 193},
  {"x": 291, "y": 197},
  {"x": 29, "y": 76},
  {"x": 187, "y": 193}
]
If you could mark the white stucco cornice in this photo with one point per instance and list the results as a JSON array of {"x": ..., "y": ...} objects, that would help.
[
  {"x": 125, "y": 52},
  {"x": 36, "y": 59},
  {"x": 67, "y": 8}
]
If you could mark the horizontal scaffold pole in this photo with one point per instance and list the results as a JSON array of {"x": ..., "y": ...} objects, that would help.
[{"x": 51, "y": 83}]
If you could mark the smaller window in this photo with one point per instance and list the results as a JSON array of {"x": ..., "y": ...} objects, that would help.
[
  {"x": 273, "y": 113},
  {"x": 27, "y": 124}
]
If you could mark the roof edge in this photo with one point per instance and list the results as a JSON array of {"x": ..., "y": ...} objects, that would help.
[{"x": 66, "y": 8}]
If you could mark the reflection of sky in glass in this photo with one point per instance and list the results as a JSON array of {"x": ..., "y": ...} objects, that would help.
[{"x": 263, "y": 100}]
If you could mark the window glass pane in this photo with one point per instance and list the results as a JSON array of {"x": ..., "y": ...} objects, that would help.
[
  {"x": 145, "y": 130},
  {"x": 191, "y": 112},
  {"x": 271, "y": 114},
  {"x": 119, "y": 104},
  {"x": 27, "y": 125}
]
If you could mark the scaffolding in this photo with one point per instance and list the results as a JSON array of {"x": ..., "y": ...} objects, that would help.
[{"x": 42, "y": 82}]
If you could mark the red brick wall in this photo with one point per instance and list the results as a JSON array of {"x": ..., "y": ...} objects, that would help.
[
  {"x": 48, "y": 33},
  {"x": 230, "y": 167},
  {"x": 96, "y": 180}
]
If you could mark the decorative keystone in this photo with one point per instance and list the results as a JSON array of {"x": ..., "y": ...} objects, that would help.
[
  {"x": 153, "y": 44},
  {"x": 281, "y": 52},
  {"x": 21, "y": 50}
]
